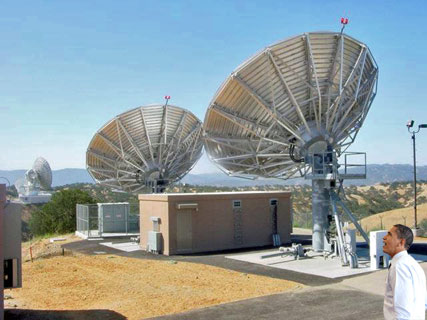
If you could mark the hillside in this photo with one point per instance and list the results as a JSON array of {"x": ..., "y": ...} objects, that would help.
[
  {"x": 59, "y": 177},
  {"x": 363, "y": 201},
  {"x": 376, "y": 173},
  {"x": 102, "y": 193},
  {"x": 385, "y": 220}
]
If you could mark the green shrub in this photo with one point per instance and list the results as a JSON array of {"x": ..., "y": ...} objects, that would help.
[
  {"x": 59, "y": 214},
  {"x": 302, "y": 220},
  {"x": 12, "y": 192},
  {"x": 422, "y": 199}
]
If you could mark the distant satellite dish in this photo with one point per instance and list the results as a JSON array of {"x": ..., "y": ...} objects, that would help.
[
  {"x": 309, "y": 92},
  {"x": 37, "y": 178},
  {"x": 44, "y": 173},
  {"x": 145, "y": 148}
]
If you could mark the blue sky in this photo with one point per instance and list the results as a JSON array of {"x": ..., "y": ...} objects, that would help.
[{"x": 67, "y": 67}]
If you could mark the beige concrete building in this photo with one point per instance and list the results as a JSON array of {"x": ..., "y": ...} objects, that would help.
[
  {"x": 200, "y": 222},
  {"x": 10, "y": 245}
]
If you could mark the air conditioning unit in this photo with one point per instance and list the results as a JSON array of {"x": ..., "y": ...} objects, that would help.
[{"x": 154, "y": 242}]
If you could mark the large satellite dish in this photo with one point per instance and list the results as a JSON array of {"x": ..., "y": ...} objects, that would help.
[
  {"x": 292, "y": 110},
  {"x": 145, "y": 148},
  {"x": 313, "y": 90}
]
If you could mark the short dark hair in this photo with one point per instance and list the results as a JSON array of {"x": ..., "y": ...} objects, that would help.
[{"x": 403, "y": 232}]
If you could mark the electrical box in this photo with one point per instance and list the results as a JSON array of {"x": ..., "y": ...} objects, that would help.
[
  {"x": 379, "y": 259},
  {"x": 154, "y": 242},
  {"x": 113, "y": 217}
]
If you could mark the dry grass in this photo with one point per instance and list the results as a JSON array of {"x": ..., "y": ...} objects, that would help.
[
  {"x": 422, "y": 190},
  {"x": 376, "y": 186},
  {"x": 359, "y": 199},
  {"x": 392, "y": 217},
  {"x": 134, "y": 288}
]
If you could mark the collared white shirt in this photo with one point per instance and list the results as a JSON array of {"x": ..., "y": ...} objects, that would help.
[{"x": 405, "y": 292}]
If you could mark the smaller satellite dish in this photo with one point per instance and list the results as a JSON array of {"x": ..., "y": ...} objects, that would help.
[
  {"x": 146, "y": 148},
  {"x": 43, "y": 172}
]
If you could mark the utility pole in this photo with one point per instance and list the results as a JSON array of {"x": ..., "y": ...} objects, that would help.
[
  {"x": 415, "y": 180},
  {"x": 409, "y": 125}
]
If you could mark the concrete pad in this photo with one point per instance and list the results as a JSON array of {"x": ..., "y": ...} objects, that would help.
[
  {"x": 123, "y": 246},
  {"x": 315, "y": 264},
  {"x": 374, "y": 282},
  {"x": 371, "y": 283},
  {"x": 95, "y": 234}
]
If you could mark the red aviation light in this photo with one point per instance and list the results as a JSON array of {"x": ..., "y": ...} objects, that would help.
[{"x": 344, "y": 20}]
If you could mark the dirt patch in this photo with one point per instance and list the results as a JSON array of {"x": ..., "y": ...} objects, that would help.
[
  {"x": 132, "y": 287},
  {"x": 43, "y": 248}
]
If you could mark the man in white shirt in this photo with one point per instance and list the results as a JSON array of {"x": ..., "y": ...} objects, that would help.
[{"x": 405, "y": 292}]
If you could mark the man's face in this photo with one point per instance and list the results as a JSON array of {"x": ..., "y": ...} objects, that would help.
[{"x": 392, "y": 244}]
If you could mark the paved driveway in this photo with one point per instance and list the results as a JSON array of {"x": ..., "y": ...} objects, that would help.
[{"x": 328, "y": 302}]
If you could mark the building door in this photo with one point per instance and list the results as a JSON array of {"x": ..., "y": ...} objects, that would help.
[
  {"x": 184, "y": 231},
  {"x": 10, "y": 267}
]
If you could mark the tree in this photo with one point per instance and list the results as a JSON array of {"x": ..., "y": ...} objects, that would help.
[
  {"x": 59, "y": 214},
  {"x": 12, "y": 192}
]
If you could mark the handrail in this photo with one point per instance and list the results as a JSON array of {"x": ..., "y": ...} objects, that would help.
[{"x": 325, "y": 165}]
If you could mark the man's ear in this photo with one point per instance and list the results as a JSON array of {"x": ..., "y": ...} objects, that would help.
[{"x": 402, "y": 242}]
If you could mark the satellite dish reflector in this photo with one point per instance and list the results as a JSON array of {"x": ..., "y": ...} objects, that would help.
[
  {"x": 37, "y": 178},
  {"x": 309, "y": 93},
  {"x": 145, "y": 148},
  {"x": 43, "y": 172}
]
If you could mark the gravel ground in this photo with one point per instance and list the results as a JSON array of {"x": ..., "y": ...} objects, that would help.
[{"x": 77, "y": 286}]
